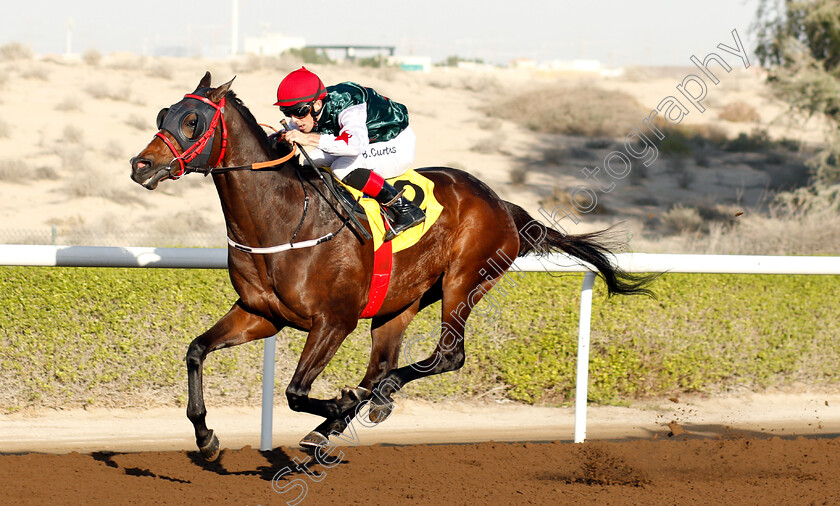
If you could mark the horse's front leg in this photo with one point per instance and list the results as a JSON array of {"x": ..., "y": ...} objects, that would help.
[
  {"x": 386, "y": 336},
  {"x": 322, "y": 342},
  {"x": 237, "y": 327}
]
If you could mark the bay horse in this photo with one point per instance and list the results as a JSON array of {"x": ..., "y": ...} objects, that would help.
[{"x": 323, "y": 289}]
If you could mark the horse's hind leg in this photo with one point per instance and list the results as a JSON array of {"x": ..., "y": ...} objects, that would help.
[
  {"x": 460, "y": 295},
  {"x": 236, "y": 327}
]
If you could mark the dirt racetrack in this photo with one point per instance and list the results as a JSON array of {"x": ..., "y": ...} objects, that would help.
[
  {"x": 755, "y": 449},
  {"x": 676, "y": 470}
]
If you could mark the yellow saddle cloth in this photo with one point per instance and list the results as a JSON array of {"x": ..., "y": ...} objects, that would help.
[{"x": 418, "y": 189}]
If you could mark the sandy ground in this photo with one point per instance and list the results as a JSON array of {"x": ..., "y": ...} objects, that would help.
[
  {"x": 413, "y": 422},
  {"x": 64, "y": 150}
]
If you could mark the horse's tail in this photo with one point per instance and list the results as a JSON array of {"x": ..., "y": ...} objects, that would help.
[{"x": 593, "y": 248}]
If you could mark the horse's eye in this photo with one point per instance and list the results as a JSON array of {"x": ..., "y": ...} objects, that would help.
[{"x": 191, "y": 126}]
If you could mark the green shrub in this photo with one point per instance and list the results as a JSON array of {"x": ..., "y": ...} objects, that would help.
[
  {"x": 117, "y": 337},
  {"x": 757, "y": 140}
]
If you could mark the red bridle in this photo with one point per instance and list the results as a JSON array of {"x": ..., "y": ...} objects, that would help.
[{"x": 199, "y": 145}]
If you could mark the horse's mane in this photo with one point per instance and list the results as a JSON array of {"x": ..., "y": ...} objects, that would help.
[{"x": 252, "y": 123}]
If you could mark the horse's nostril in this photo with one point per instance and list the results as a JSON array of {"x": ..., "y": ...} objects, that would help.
[{"x": 139, "y": 163}]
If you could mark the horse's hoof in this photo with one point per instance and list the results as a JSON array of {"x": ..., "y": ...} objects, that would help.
[
  {"x": 210, "y": 451},
  {"x": 314, "y": 440},
  {"x": 380, "y": 412},
  {"x": 357, "y": 394}
]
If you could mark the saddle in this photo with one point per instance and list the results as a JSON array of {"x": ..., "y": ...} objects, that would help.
[{"x": 416, "y": 187}]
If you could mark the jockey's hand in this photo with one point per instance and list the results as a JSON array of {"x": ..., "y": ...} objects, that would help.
[
  {"x": 301, "y": 138},
  {"x": 274, "y": 140}
]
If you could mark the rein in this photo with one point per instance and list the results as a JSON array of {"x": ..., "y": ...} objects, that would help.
[
  {"x": 205, "y": 142},
  {"x": 254, "y": 166}
]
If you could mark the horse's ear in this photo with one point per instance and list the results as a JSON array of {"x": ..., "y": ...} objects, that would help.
[
  {"x": 220, "y": 92},
  {"x": 205, "y": 81}
]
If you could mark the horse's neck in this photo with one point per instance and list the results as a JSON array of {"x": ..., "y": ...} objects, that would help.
[{"x": 259, "y": 207}]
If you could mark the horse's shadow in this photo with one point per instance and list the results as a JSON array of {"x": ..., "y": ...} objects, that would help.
[{"x": 277, "y": 460}]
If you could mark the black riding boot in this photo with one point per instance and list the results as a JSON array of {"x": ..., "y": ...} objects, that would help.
[{"x": 405, "y": 213}]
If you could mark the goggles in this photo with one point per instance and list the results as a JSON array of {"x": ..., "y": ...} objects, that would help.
[{"x": 300, "y": 110}]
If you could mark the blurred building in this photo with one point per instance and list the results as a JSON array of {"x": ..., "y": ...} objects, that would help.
[
  {"x": 271, "y": 44},
  {"x": 412, "y": 63}
]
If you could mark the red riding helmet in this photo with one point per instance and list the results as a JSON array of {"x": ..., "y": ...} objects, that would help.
[{"x": 300, "y": 86}]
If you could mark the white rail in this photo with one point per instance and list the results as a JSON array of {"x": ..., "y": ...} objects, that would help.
[{"x": 200, "y": 258}]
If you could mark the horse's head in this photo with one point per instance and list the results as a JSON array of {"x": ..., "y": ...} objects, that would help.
[{"x": 191, "y": 135}]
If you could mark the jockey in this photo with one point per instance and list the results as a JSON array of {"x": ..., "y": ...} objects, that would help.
[{"x": 362, "y": 136}]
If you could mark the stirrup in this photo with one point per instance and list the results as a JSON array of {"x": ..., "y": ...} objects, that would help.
[{"x": 394, "y": 200}]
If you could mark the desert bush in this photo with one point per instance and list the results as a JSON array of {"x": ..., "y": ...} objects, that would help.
[
  {"x": 138, "y": 123},
  {"x": 46, "y": 173},
  {"x": 700, "y": 218},
  {"x": 36, "y": 72},
  {"x": 581, "y": 152},
  {"x": 72, "y": 157},
  {"x": 739, "y": 112},
  {"x": 597, "y": 144},
  {"x": 251, "y": 63},
  {"x": 14, "y": 171},
  {"x": 645, "y": 200},
  {"x": 786, "y": 170},
  {"x": 563, "y": 197},
  {"x": 161, "y": 70},
  {"x": 682, "y": 219},
  {"x": 377, "y": 61},
  {"x": 73, "y": 134},
  {"x": 92, "y": 57},
  {"x": 702, "y": 158},
  {"x": 490, "y": 124},
  {"x": 101, "y": 92},
  {"x": 98, "y": 91},
  {"x": 518, "y": 175},
  {"x": 310, "y": 55},
  {"x": 126, "y": 61},
  {"x": 486, "y": 146},
  {"x": 90, "y": 183},
  {"x": 114, "y": 149},
  {"x": 682, "y": 140},
  {"x": 813, "y": 200},
  {"x": 481, "y": 84},
  {"x": 83, "y": 184},
  {"x": 676, "y": 166},
  {"x": 776, "y": 232},
  {"x": 68, "y": 104},
  {"x": 757, "y": 140},
  {"x": 583, "y": 110},
  {"x": 15, "y": 51},
  {"x": 674, "y": 146},
  {"x": 638, "y": 174},
  {"x": 552, "y": 155},
  {"x": 388, "y": 73}
]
